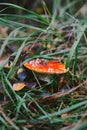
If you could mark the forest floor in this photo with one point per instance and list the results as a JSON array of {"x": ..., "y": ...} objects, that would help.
[{"x": 43, "y": 68}]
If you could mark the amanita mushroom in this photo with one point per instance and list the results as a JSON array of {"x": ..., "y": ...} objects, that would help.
[{"x": 46, "y": 66}]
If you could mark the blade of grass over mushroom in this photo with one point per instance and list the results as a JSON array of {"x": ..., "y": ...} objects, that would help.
[
  {"x": 73, "y": 48},
  {"x": 48, "y": 56},
  {"x": 58, "y": 53}
]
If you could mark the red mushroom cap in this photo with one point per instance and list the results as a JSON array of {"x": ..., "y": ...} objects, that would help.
[{"x": 46, "y": 66}]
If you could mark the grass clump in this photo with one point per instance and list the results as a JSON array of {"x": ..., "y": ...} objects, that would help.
[{"x": 47, "y": 101}]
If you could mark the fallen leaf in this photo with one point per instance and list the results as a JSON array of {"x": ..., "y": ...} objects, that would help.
[
  {"x": 18, "y": 86},
  {"x": 21, "y": 74}
]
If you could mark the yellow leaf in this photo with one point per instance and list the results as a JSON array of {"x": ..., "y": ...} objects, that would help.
[{"x": 18, "y": 86}]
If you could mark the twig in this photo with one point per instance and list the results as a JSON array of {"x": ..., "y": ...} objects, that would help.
[{"x": 58, "y": 94}]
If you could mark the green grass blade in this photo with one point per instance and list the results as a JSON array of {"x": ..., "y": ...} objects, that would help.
[
  {"x": 73, "y": 107},
  {"x": 28, "y": 11},
  {"x": 73, "y": 48}
]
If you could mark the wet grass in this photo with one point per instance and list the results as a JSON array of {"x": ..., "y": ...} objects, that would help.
[{"x": 62, "y": 36}]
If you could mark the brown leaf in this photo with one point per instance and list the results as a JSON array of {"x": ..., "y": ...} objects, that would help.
[{"x": 18, "y": 86}]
